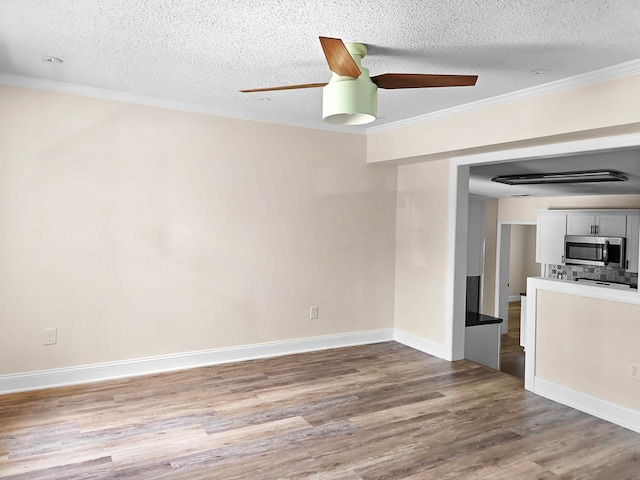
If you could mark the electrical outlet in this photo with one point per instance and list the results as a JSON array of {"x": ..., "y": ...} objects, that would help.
[
  {"x": 313, "y": 313},
  {"x": 51, "y": 336},
  {"x": 634, "y": 370}
]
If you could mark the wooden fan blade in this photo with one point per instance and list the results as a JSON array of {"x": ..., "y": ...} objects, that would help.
[
  {"x": 338, "y": 57},
  {"x": 417, "y": 80},
  {"x": 285, "y": 87}
]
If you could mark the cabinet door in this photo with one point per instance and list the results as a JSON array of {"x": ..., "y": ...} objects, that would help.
[
  {"x": 550, "y": 239},
  {"x": 580, "y": 224},
  {"x": 611, "y": 225},
  {"x": 633, "y": 242}
]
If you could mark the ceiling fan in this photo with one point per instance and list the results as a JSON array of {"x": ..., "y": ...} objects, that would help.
[{"x": 350, "y": 97}]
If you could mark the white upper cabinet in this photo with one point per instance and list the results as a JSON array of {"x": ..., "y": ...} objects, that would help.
[
  {"x": 608, "y": 225},
  {"x": 611, "y": 225},
  {"x": 552, "y": 227},
  {"x": 633, "y": 242},
  {"x": 580, "y": 224}
]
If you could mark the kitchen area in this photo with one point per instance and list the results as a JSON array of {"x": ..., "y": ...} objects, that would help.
[
  {"x": 585, "y": 247},
  {"x": 581, "y": 319},
  {"x": 591, "y": 247}
]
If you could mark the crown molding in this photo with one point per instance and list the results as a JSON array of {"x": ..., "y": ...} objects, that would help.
[
  {"x": 149, "y": 101},
  {"x": 597, "y": 76}
]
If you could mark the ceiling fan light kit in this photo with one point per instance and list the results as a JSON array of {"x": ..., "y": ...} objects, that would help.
[
  {"x": 349, "y": 100},
  {"x": 351, "y": 96}
]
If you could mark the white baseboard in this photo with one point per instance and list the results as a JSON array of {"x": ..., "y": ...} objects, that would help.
[
  {"x": 623, "y": 416},
  {"x": 21, "y": 382},
  {"x": 515, "y": 298},
  {"x": 419, "y": 343},
  {"x": 143, "y": 366}
]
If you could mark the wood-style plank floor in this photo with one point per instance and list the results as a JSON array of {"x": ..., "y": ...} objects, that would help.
[
  {"x": 511, "y": 353},
  {"x": 382, "y": 411}
]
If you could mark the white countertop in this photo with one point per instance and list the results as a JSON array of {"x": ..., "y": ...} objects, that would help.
[{"x": 604, "y": 292}]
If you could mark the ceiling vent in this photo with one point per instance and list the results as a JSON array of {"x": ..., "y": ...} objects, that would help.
[{"x": 561, "y": 177}]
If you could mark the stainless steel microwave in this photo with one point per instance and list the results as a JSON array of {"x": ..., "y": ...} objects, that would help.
[{"x": 591, "y": 250}]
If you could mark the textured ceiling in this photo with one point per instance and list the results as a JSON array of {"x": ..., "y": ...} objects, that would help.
[{"x": 203, "y": 52}]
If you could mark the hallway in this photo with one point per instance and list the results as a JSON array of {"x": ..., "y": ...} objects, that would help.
[{"x": 511, "y": 353}]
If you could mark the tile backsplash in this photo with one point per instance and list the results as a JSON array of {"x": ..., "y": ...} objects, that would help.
[{"x": 571, "y": 272}]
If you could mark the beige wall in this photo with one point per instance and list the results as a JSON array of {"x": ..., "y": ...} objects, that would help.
[
  {"x": 421, "y": 243},
  {"x": 547, "y": 118},
  {"x": 140, "y": 231},
  {"x": 586, "y": 344}
]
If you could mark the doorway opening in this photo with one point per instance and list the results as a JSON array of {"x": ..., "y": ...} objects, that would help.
[
  {"x": 515, "y": 262},
  {"x": 457, "y": 228}
]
